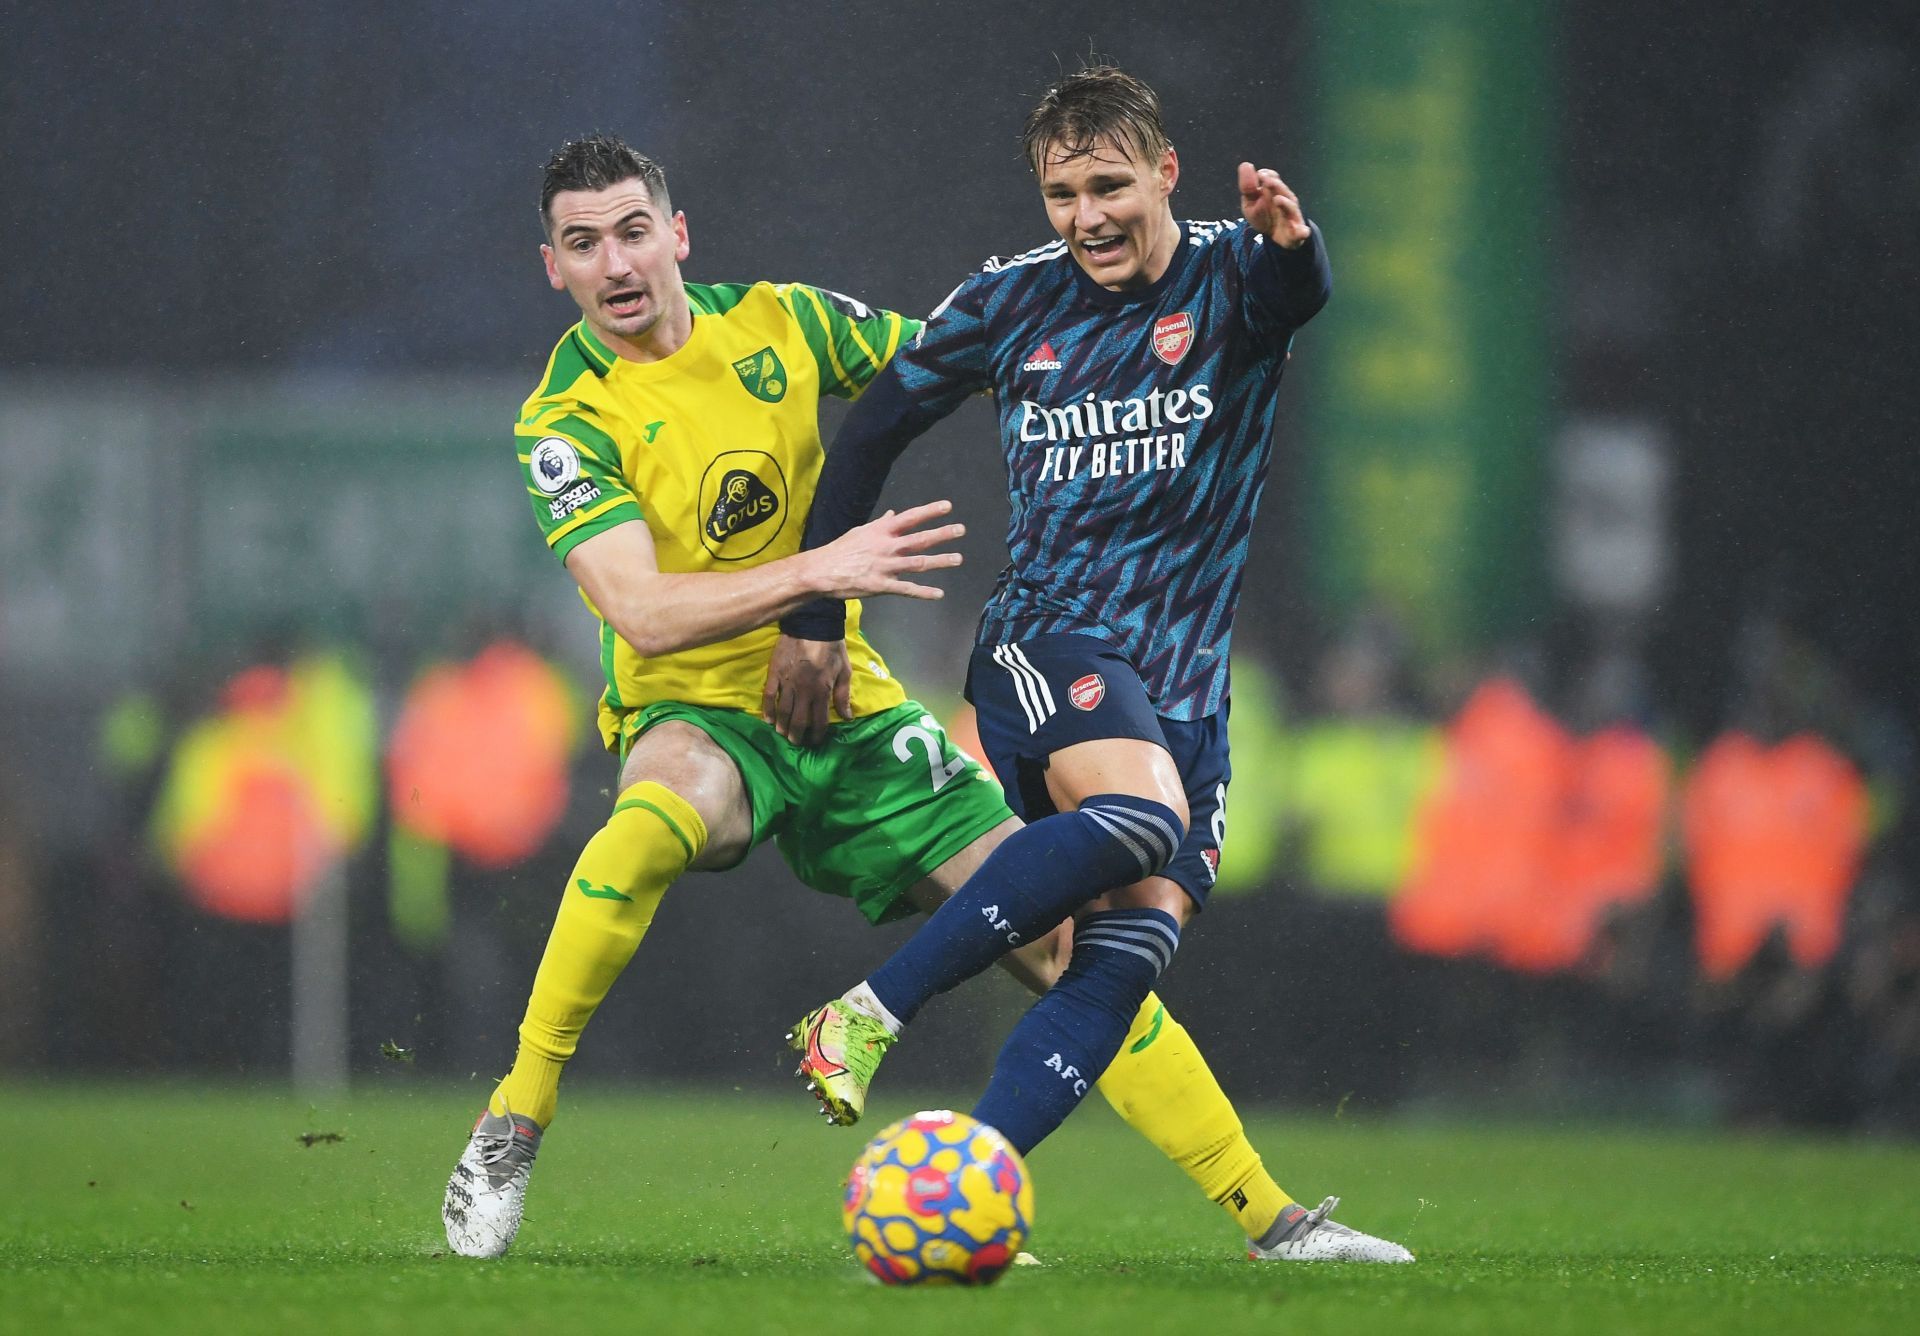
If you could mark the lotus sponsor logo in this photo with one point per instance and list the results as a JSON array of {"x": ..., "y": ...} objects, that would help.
[{"x": 743, "y": 504}]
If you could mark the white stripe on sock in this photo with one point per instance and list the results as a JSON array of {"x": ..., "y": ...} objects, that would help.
[
  {"x": 1105, "y": 945},
  {"x": 1139, "y": 851},
  {"x": 1149, "y": 827},
  {"x": 1156, "y": 944},
  {"x": 1152, "y": 832}
]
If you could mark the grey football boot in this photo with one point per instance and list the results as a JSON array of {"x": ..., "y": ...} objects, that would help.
[
  {"x": 488, "y": 1190},
  {"x": 1300, "y": 1235}
]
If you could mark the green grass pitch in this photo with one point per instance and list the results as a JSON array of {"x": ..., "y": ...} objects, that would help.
[{"x": 163, "y": 1209}]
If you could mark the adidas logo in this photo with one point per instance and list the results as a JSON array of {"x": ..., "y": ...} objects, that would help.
[{"x": 1045, "y": 359}]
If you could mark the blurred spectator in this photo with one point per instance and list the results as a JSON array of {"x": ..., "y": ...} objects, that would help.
[
  {"x": 271, "y": 790},
  {"x": 1356, "y": 768},
  {"x": 1774, "y": 837},
  {"x": 1605, "y": 854},
  {"x": 1482, "y": 838}
]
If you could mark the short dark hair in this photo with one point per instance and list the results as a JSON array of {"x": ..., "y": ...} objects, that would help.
[
  {"x": 1082, "y": 111},
  {"x": 594, "y": 163}
]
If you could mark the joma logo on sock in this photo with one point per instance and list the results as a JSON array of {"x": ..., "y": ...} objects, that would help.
[
  {"x": 1068, "y": 1072},
  {"x": 991, "y": 914}
]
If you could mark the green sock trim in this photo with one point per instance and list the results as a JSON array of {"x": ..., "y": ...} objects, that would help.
[
  {"x": 1159, "y": 1019},
  {"x": 678, "y": 834}
]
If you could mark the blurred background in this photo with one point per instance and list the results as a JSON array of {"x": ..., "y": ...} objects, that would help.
[{"x": 1575, "y": 678}]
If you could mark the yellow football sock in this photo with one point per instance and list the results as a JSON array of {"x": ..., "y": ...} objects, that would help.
[
  {"x": 606, "y": 909},
  {"x": 1161, "y": 1085}
]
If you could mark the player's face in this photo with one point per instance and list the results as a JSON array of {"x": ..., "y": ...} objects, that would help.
[
  {"x": 1111, "y": 206},
  {"x": 618, "y": 256}
]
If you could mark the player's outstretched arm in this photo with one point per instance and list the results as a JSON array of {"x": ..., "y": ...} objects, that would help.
[
  {"x": 660, "y": 612},
  {"x": 809, "y": 678},
  {"x": 884, "y": 421},
  {"x": 1271, "y": 208},
  {"x": 1288, "y": 279}
]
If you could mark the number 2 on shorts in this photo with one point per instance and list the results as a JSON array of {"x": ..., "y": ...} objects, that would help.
[{"x": 927, "y": 734}]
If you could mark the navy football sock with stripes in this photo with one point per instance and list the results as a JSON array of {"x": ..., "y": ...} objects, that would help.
[
  {"x": 1036, "y": 878},
  {"x": 1067, "y": 1038}
]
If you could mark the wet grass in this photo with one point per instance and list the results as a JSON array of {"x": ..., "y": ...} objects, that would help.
[{"x": 157, "y": 1209}]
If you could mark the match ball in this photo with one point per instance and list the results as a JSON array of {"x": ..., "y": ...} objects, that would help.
[{"x": 938, "y": 1199}]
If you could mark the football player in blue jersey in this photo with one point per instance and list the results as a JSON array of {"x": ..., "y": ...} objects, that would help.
[{"x": 1135, "y": 363}]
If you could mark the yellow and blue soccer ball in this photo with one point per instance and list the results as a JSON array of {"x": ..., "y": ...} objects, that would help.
[{"x": 938, "y": 1199}]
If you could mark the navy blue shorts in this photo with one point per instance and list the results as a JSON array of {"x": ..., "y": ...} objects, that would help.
[{"x": 1038, "y": 696}]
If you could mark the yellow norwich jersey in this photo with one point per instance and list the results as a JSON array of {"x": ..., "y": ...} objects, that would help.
[{"x": 717, "y": 450}]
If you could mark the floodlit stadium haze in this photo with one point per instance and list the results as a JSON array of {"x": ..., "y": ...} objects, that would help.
[{"x": 1576, "y": 681}]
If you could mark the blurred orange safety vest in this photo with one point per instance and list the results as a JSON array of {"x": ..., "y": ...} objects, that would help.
[
  {"x": 1774, "y": 837},
  {"x": 1481, "y": 838},
  {"x": 1606, "y": 850},
  {"x": 478, "y": 759},
  {"x": 1531, "y": 836},
  {"x": 272, "y": 790}
]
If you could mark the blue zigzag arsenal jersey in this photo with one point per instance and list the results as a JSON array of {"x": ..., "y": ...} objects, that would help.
[{"x": 1137, "y": 429}]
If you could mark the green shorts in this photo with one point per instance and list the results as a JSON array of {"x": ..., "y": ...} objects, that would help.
[{"x": 879, "y": 805}]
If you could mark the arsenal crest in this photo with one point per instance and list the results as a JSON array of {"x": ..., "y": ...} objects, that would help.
[
  {"x": 1088, "y": 692},
  {"x": 1172, "y": 336}
]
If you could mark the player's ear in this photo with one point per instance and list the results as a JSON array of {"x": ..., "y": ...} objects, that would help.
[
  {"x": 554, "y": 280},
  {"x": 1169, "y": 170},
  {"x": 682, "y": 245}
]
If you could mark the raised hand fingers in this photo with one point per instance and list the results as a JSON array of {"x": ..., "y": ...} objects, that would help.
[
  {"x": 908, "y": 589},
  {"x": 914, "y": 565},
  {"x": 926, "y": 538},
  {"x": 877, "y": 557},
  {"x": 925, "y": 561},
  {"x": 1270, "y": 205},
  {"x": 1264, "y": 183},
  {"x": 916, "y": 516}
]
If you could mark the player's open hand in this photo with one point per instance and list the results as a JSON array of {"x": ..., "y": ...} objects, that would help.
[
  {"x": 1271, "y": 207},
  {"x": 804, "y": 678},
  {"x": 877, "y": 557}
]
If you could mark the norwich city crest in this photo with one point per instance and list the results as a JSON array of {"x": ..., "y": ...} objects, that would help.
[
  {"x": 743, "y": 504},
  {"x": 763, "y": 375}
]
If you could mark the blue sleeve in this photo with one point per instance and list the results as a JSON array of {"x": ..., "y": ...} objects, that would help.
[
  {"x": 947, "y": 360},
  {"x": 924, "y": 382},
  {"x": 1283, "y": 288}
]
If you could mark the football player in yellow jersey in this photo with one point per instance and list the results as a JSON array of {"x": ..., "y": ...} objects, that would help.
[{"x": 670, "y": 454}]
